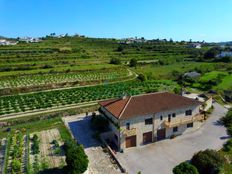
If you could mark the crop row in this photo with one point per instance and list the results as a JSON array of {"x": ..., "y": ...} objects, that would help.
[
  {"x": 36, "y": 80},
  {"x": 48, "y": 99},
  {"x": 15, "y": 157}
]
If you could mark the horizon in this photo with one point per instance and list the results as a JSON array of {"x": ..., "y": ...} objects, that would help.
[
  {"x": 109, "y": 19},
  {"x": 80, "y": 35}
]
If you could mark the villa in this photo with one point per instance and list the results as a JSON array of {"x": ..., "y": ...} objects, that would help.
[{"x": 142, "y": 119}]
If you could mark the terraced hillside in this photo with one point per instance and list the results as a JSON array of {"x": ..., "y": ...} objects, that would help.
[
  {"x": 62, "y": 72},
  {"x": 77, "y": 53}
]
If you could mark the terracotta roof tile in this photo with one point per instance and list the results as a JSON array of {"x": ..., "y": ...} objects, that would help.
[
  {"x": 115, "y": 106},
  {"x": 146, "y": 104}
]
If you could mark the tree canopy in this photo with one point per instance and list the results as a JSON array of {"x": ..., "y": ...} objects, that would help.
[
  {"x": 76, "y": 159},
  {"x": 185, "y": 168},
  {"x": 208, "y": 161},
  {"x": 133, "y": 62}
]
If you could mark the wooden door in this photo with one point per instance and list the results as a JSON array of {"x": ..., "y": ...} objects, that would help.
[
  {"x": 147, "y": 137},
  {"x": 161, "y": 134},
  {"x": 131, "y": 141}
]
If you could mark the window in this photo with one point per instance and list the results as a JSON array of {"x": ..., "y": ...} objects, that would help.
[
  {"x": 148, "y": 121},
  {"x": 175, "y": 129},
  {"x": 161, "y": 117},
  {"x": 189, "y": 125},
  {"x": 174, "y": 115},
  {"x": 169, "y": 117},
  {"x": 128, "y": 126},
  {"x": 188, "y": 112}
]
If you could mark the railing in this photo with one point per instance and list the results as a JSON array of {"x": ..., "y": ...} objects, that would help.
[
  {"x": 182, "y": 121},
  {"x": 129, "y": 132}
]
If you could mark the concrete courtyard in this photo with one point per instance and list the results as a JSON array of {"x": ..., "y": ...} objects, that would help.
[
  {"x": 99, "y": 161},
  {"x": 161, "y": 157}
]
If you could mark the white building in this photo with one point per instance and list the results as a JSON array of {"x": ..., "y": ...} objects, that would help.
[
  {"x": 7, "y": 42},
  {"x": 195, "y": 45},
  {"x": 29, "y": 39},
  {"x": 142, "y": 119}
]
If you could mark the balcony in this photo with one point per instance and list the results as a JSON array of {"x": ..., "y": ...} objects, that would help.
[
  {"x": 129, "y": 132},
  {"x": 178, "y": 122}
]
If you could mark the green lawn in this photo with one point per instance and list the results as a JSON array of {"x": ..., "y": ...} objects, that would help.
[
  {"x": 166, "y": 71},
  {"x": 220, "y": 81},
  {"x": 226, "y": 83},
  {"x": 212, "y": 76}
]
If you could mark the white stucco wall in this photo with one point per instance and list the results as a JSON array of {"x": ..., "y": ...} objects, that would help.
[
  {"x": 112, "y": 126},
  {"x": 139, "y": 124},
  {"x": 180, "y": 113}
]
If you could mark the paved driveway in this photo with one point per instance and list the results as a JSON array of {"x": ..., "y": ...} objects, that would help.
[
  {"x": 161, "y": 157},
  {"x": 99, "y": 162}
]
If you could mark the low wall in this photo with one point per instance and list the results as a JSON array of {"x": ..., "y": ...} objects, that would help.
[
  {"x": 208, "y": 104},
  {"x": 105, "y": 135}
]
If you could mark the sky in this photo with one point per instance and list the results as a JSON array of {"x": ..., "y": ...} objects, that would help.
[{"x": 209, "y": 20}]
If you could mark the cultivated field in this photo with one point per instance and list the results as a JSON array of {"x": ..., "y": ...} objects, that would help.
[
  {"x": 50, "y": 155},
  {"x": 57, "y": 98},
  {"x": 29, "y": 153},
  {"x": 16, "y": 153},
  {"x": 57, "y": 78}
]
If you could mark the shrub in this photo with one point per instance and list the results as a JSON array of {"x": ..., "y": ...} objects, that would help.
[
  {"x": 208, "y": 161},
  {"x": 142, "y": 77},
  {"x": 133, "y": 62},
  {"x": 16, "y": 165},
  {"x": 35, "y": 137},
  {"x": 115, "y": 61},
  {"x": 212, "y": 53},
  {"x": 35, "y": 145},
  {"x": 229, "y": 130},
  {"x": 227, "y": 120},
  {"x": 185, "y": 168},
  {"x": 100, "y": 123},
  {"x": 177, "y": 90},
  {"x": 76, "y": 159},
  {"x": 227, "y": 146},
  {"x": 46, "y": 66},
  {"x": 120, "y": 48}
]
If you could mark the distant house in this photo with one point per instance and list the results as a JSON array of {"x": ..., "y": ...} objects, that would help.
[
  {"x": 132, "y": 40},
  {"x": 29, "y": 39},
  {"x": 192, "y": 74},
  {"x": 224, "y": 54},
  {"x": 142, "y": 119},
  {"x": 7, "y": 42},
  {"x": 195, "y": 45}
]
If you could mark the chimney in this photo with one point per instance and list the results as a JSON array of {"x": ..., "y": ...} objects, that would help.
[{"x": 123, "y": 97}]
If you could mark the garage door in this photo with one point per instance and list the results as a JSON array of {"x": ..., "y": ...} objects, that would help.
[
  {"x": 147, "y": 137},
  {"x": 131, "y": 141},
  {"x": 161, "y": 134}
]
